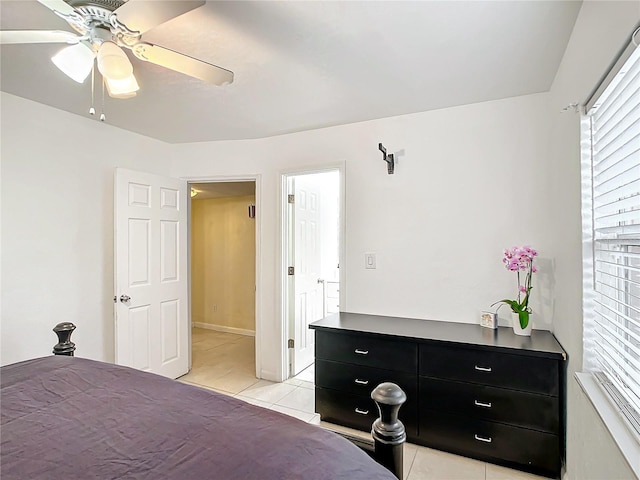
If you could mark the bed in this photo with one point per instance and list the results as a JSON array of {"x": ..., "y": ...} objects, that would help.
[{"x": 68, "y": 417}]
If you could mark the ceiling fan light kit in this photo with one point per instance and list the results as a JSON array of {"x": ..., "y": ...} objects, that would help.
[
  {"x": 123, "y": 88},
  {"x": 104, "y": 28},
  {"x": 113, "y": 63},
  {"x": 76, "y": 61}
]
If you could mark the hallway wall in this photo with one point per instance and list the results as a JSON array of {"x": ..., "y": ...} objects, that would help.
[{"x": 223, "y": 251}]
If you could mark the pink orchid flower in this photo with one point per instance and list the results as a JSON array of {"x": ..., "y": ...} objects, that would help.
[{"x": 520, "y": 260}]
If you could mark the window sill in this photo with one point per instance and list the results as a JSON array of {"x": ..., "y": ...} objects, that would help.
[{"x": 624, "y": 439}]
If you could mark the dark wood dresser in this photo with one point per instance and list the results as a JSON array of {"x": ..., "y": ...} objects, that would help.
[{"x": 481, "y": 393}]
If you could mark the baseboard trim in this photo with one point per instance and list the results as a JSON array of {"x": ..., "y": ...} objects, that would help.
[
  {"x": 271, "y": 376},
  {"x": 223, "y": 328}
]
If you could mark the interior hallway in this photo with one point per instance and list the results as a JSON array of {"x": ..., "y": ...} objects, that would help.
[{"x": 225, "y": 362}]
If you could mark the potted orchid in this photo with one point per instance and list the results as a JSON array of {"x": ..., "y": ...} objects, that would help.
[{"x": 520, "y": 260}]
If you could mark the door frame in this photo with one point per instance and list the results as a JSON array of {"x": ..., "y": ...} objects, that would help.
[
  {"x": 256, "y": 178},
  {"x": 284, "y": 247}
]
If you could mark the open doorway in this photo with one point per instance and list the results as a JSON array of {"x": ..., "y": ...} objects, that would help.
[
  {"x": 223, "y": 285},
  {"x": 312, "y": 246}
]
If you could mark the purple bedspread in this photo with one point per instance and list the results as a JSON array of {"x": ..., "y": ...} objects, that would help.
[{"x": 71, "y": 418}]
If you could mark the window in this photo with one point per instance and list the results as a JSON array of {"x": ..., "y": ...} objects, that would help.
[{"x": 611, "y": 235}]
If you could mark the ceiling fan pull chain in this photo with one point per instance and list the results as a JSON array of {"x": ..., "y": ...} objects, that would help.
[
  {"x": 102, "y": 115},
  {"x": 92, "y": 111}
]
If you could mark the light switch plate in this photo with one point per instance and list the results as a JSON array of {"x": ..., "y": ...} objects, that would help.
[{"x": 370, "y": 260}]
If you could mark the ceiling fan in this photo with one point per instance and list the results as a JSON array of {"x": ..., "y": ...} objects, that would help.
[{"x": 104, "y": 28}]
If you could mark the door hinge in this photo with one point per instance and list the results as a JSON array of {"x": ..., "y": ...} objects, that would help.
[
  {"x": 291, "y": 198},
  {"x": 290, "y": 343},
  {"x": 291, "y": 271},
  {"x": 115, "y": 300}
]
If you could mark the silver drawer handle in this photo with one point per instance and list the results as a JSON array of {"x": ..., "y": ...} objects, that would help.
[
  {"x": 482, "y": 439},
  {"x": 362, "y": 412},
  {"x": 480, "y": 404},
  {"x": 361, "y": 352},
  {"x": 483, "y": 369},
  {"x": 361, "y": 382}
]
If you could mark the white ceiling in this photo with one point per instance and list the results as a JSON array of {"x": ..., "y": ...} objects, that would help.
[{"x": 304, "y": 65}]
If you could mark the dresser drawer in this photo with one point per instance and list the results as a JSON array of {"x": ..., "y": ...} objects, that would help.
[
  {"x": 522, "y": 409},
  {"x": 368, "y": 351},
  {"x": 518, "y": 372},
  {"x": 362, "y": 380},
  {"x": 360, "y": 411},
  {"x": 535, "y": 451}
]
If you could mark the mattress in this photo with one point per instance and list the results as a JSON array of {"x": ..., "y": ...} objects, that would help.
[{"x": 68, "y": 417}]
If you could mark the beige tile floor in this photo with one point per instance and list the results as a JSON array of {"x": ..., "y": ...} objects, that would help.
[{"x": 225, "y": 362}]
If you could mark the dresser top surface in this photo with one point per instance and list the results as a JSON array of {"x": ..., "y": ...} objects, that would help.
[{"x": 540, "y": 343}]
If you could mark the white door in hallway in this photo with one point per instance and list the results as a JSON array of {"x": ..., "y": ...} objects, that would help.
[
  {"x": 152, "y": 323},
  {"x": 307, "y": 222}
]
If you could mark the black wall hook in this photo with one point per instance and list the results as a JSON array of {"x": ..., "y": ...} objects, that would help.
[{"x": 387, "y": 158}]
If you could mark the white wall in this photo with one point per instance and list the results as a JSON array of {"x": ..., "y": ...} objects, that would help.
[
  {"x": 601, "y": 31},
  {"x": 57, "y": 225},
  {"x": 470, "y": 181}
]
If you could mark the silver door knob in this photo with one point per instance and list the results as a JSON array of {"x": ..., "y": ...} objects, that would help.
[{"x": 125, "y": 298}]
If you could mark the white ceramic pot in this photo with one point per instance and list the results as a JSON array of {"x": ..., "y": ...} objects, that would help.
[{"x": 517, "y": 329}]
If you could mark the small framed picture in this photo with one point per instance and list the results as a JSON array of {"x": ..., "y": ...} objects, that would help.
[{"x": 489, "y": 320}]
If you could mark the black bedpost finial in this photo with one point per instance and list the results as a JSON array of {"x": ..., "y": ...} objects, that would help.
[
  {"x": 65, "y": 346},
  {"x": 388, "y": 432}
]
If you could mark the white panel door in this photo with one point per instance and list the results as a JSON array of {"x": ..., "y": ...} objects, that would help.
[
  {"x": 152, "y": 323},
  {"x": 308, "y": 290}
]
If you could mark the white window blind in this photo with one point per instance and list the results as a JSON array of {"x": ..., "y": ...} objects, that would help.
[{"x": 611, "y": 201}]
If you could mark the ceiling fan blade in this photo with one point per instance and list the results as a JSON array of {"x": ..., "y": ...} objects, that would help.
[
  {"x": 143, "y": 15},
  {"x": 182, "y": 63},
  {"x": 58, "y": 6},
  {"x": 37, "y": 36}
]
